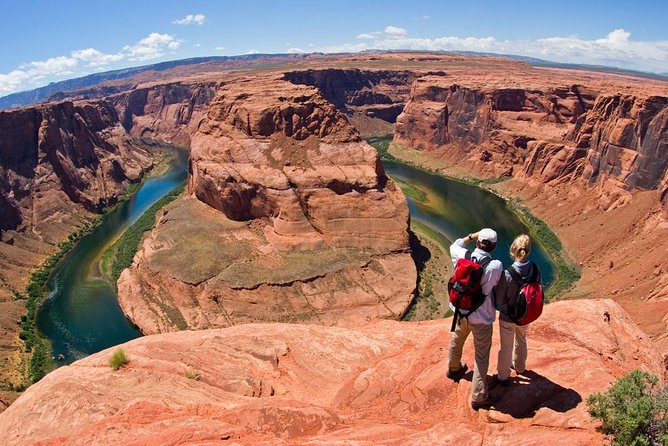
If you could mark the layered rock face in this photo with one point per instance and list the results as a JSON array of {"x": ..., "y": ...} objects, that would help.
[
  {"x": 376, "y": 93},
  {"x": 553, "y": 134},
  {"x": 82, "y": 148},
  {"x": 57, "y": 159},
  {"x": 169, "y": 112},
  {"x": 291, "y": 218},
  {"x": 491, "y": 127},
  {"x": 381, "y": 383},
  {"x": 59, "y": 164}
]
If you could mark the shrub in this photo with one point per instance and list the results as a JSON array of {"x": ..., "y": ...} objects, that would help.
[
  {"x": 118, "y": 359},
  {"x": 634, "y": 411},
  {"x": 192, "y": 374}
]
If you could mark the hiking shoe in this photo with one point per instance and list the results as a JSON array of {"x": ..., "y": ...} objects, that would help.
[
  {"x": 501, "y": 382},
  {"x": 458, "y": 374},
  {"x": 486, "y": 403}
]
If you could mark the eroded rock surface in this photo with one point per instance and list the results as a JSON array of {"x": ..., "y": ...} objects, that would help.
[
  {"x": 381, "y": 383},
  {"x": 291, "y": 219}
]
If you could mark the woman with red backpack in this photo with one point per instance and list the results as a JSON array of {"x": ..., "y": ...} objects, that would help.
[{"x": 519, "y": 299}]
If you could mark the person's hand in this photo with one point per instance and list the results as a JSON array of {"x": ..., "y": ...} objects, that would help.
[{"x": 474, "y": 236}]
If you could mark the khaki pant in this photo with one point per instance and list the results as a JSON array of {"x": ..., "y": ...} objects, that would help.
[
  {"x": 513, "y": 346},
  {"x": 482, "y": 343}
]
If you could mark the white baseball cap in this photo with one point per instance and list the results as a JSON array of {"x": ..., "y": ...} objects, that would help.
[{"x": 487, "y": 234}]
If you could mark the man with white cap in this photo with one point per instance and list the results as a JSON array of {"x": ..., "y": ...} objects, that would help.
[{"x": 479, "y": 322}]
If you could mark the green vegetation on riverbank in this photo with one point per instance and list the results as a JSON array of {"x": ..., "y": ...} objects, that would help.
[
  {"x": 40, "y": 362},
  {"x": 119, "y": 255},
  {"x": 432, "y": 260},
  {"x": 566, "y": 272}
]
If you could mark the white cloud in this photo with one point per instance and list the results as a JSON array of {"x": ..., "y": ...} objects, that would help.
[
  {"x": 151, "y": 47},
  {"x": 252, "y": 51},
  {"x": 425, "y": 17},
  {"x": 197, "y": 45},
  {"x": 395, "y": 31},
  {"x": 35, "y": 73},
  {"x": 219, "y": 48},
  {"x": 190, "y": 19},
  {"x": 53, "y": 65},
  {"x": 12, "y": 81},
  {"x": 617, "y": 49},
  {"x": 96, "y": 58},
  {"x": 295, "y": 50},
  {"x": 367, "y": 35}
]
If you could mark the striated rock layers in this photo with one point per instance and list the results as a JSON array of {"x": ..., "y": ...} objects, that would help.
[
  {"x": 58, "y": 161},
  {"x": 80, "y": 153},
  {"x": 553, "y": 134},
  {"x": 371, "y": 99},
  {"x": 290, "y": 218},
  {"x": 169, "y": 112},
  {"x": 381, "y": 383},
  {"x": 589, "y": 154}
]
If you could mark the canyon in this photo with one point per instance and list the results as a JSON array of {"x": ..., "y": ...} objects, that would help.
[
  {"x": 289, "y": 217},
  {"x": 381, "y": 383}
]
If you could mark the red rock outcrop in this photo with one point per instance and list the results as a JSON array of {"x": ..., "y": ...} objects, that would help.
[
  {"x": 301, "y": 223},
  {"x": 80, "y": 150},
  {"x": 485, "y": 125},
  {"x": 381, "y": 383}
]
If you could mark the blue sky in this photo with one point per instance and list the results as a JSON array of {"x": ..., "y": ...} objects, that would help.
[{"x": 51, "y": 40}]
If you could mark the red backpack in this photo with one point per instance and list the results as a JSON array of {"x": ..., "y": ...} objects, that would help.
[
  {"x": 464, "y": 286},
  {"x": 528, "y": 304}
]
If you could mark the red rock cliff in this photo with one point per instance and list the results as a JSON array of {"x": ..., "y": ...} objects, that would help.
[
  {"x": 292, "y": 218},
  {"x": 80, "y": 150},
  {"x": 377, "y": 94}
]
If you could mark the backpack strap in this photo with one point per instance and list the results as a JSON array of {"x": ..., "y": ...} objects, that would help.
[
  {"x": 534, "y": 273},
  {"x": 483, "y": 262},
  {"x": 533, "y": 277},
  {"x": 516, "y": 276}
]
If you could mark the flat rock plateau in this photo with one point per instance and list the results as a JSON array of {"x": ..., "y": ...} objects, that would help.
[
  {"x": 288, "y": 254},
  {"x": 382, "y": 383}
]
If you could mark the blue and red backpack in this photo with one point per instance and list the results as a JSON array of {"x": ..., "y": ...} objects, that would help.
[{"x": 528, "y": 304}]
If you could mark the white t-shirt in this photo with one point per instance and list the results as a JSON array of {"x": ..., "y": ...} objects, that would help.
[{"x": 486, "y": 313}]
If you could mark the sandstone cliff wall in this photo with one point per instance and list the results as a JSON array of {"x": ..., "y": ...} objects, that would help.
[
  {"x": 60, "y": 164},
  {"x": 80, "y": 150},
  {"x": 169, "y": 112},
  {"x": 554, "y": 135}
]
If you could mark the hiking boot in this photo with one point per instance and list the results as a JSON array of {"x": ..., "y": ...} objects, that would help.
[
  {"x": 458, "y": 374},
  {"x": 501, "y": 382},
  {"x": 486, "y": 403}
]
